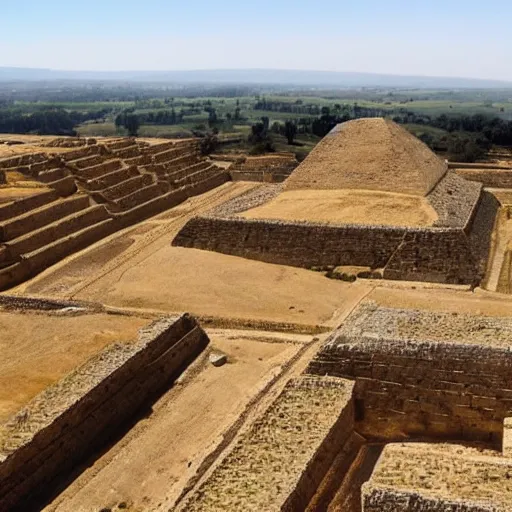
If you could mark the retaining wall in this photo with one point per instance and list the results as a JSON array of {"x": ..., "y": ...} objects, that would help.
[
  {"x": 498, "y": 178},
  {"x": 268, "y": 176},
  {"x": 24, "y": 204},
  {"x": 280, "y": 462},
  {"x": 455, "y": 254},
  {"x": 458, "y": 387},
  {"x": 68, "y": 421}
]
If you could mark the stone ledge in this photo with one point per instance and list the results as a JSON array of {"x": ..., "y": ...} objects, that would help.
[{"x": 68, "y": 421}]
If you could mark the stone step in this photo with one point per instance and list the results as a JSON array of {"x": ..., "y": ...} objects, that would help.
[
  {"x": 140, "y": 196},
  {"x": 96, "y": 171},
  {"x": 169, "y": 154},
  {"x": 77, "y": 154},
  {"x": 39, "y": 217},
  {"x": 88, "y": 161},
  {"x": 110, "y": 179},
  {"x": 196, "y": 176},
  {"x": 138, "y": 160},
  {"x": 50, "y": 254},
  {"x": 183, "y": 173},
  {"x": 52, "y": 175},
  {"x": 25, "y": 204},
  {"x": 128, "y": 152},
  {"x": 127, "y": 187},
  {"x": 58, "y": 229},
  {"x": 154, "y": 149},
  {"x": 120, "y": 143}
]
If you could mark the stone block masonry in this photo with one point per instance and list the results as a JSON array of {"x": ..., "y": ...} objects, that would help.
[
  {"x": 421, "y": 373},
  {"x": 438, "y": 478},
  {"x": 279, "y": 463},
  {"x": 455, "y": 253},
  {"x": 68, "y": 421}
]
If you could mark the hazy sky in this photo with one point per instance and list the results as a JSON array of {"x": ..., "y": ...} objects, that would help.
[{"x": 466, "y": 38}]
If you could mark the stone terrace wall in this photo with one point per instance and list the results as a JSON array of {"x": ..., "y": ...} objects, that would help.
[
  {"x": 438, "y": 478},
  {"x": 497, "y": 178},
  {"x": 68, "y": 421},
  {"x": 455, "y": 254},
  {"x": 280, "y": 462},
  {"x": 424, "y": 374},
  {"x": 389, "y": 500},
  {"x": 294, "y": 243},
  {"x": 438, "y": 254}
]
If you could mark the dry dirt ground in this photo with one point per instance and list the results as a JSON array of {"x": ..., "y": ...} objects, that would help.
[
  {"x": 151, "y": 465},
  {"x": 347, "y": 207},
  {"x": 8, "y": 193},
  {"x": 31, "y": 144},
  {"x": 39, "y": 349},
  {"x": 186, "y": 431},
  {"x": 138, "y": 268}
]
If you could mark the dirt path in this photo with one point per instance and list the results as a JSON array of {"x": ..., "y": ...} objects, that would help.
[
  {"x": 81, "y": 270},
  {"x": 149, "y": 467}
]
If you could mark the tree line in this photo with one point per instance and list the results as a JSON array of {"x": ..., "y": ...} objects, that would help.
[{"x": 54, "y": 121}]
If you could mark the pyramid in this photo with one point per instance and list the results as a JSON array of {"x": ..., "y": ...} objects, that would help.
[{"x": 370, "y": 154}]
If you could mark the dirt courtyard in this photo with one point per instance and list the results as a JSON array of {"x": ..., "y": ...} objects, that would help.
[
  {"x": 39, "y": 349},
  {"x": 347, "y": 207},
  {"x": 150, "y": 466},
  {"x": 137, "y": 268}
]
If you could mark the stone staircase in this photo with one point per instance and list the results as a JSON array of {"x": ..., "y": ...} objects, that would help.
[
  {"x": 40, "y": 230},
  {"x": 92, "y": 192}
]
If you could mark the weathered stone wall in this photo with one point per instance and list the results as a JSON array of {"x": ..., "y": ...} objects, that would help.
[
  {"x": 24, "y": 204},
  {"x": 292, "y": 243},
  {"x": 456, "y": 253},
  {"x": 68, "y": 421},
  {"x": 22, "y": 224},
  {"x": 280, "y": 462},
  {"x": 423, "y": 477},
  {"x": 266, "y": 176},
  {"x": 386, "y": 500},
  {"x": 437, "y": 254},
  {"x": 22, "y": 160},
  {"x": 497, "y": 178},
  {"x": 411, "y": 380}
]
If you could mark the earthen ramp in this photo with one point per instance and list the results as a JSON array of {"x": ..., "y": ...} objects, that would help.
[{"x": 370, "y": 154}]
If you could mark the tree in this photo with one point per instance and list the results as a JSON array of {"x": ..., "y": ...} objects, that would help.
[
  {"x": 132, "y": 124},
  {"x": 290, "y": 130}
]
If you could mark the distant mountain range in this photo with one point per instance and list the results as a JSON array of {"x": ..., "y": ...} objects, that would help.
[{"x": 255, "y": 76}]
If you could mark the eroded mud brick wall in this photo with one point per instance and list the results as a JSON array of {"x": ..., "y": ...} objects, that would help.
[{"x": 68, "y": 421}]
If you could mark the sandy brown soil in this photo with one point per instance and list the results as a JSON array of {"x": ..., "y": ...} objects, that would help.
[
  {"x": 31, "y": 144},
  {"x": 370, "y": 154},
  {"x": 138, "y": 268},
  {"x": 8, "y": 194},
  {"x": 38, "y": 349},
  {"x": 347, "y": 207},
  {"x": 444, "y": 300},
  {"x": 149, "y": 467}
]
